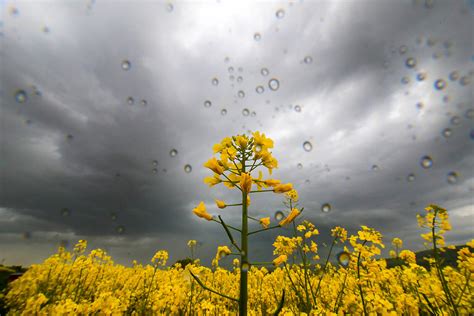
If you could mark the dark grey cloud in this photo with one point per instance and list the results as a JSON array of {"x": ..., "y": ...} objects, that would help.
[{"x": 77, "y": 144}]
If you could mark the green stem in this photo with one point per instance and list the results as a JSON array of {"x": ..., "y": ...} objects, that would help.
[
  {"x": 358, "y": 279},
  {"x": 263, "y": 229},
  {"x": 211, "y": 290},
  {"x": 243, "y": 296}
]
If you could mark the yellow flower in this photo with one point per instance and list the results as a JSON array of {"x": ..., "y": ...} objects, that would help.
[
  {"x": 279, "y": 260},
  {"x": 160, "y": 258},
  {"x": 211, "y": 181},
  {"x": 282, "y": 188},
  {"x": 272, "y": 182},
  {"x": 265, "y": 222},
  {"x": 242, "y": 141},
  {"x": 294, "y": 212},
  {"x": 397, "y": 242},
  {"x": 408, "y": 256},
  {"x": 192, "y": 243},
  {"x": 292, "y": 195},
  {"x": 220, "y": 204},
  {"x": 245, "y": 182},
  {"x": 261, "y": 142},
  {"x": 200, "y": 211},
  {"x": 213, "y": 164},
  {"x": 222, "y": 251}
]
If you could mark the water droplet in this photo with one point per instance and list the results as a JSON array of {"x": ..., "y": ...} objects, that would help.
[
  {"x": 69, "y": 137},
  {"x": 405, "y": 80},
  {"x": 45, "y": 29},
  {"x": 403, "y": 49},
  {"x": 241, "y": 94},
  {"x": 21, "y": 96},
  {"x": 299, "y": 166},
  {"x": 455, "y": 120},
  {"x": 411, "y": 177},
  {"x": 421, "y": 76},
  {"x": 259, "y": 89},
  {"x": 257, "y": 36},
  {"x": 188, "y": 168},
  {"x": 245, "y": 267},
  {"x": 452, "y": 177},
  {"x": 264, "y": 72},
  {"x": 440, "y": 84},
  {"x": 280, "y": 14},
  {"x": 454, "y": 75},
  {"x": 279, "y": 215},
  {"x": 215, "y": 81},
  {"x": 375, "y": 168},
  {"x": 155, "y": 170},
  {"x": 120, "y": 229},
  {"x": 169, "y": 7},
  {"x": 274, "y": 84},
  {"x": 173, "y": 152},
  {"x": 297, "y": 108},
  {"x": 465, "y": 80},
  {"x": 155, "y": 163},
  {"x": 447, "y": 132},
  {"x": 223, "y": 112},
  {"x": 113, "y": 216},
  {"x": 126, "y": 65},
  {"x": 326, "y": 208},
  {"x": 307, "y": 146},
  {"x": 207, "y": 104},
  {"x": 308, "y": 60},
  {"x": 226, "y": 59},
  {"x": 307, "y": 181},
  {"x": 410, "y": 62},
  {"x": 419, "y": 105},
  {"x": 144, "y": 102},
  {"x": 469, "y": 114},
  {"x": 253, "y": 114},
  {"x": 245, "y": 112},
  {"x": 230, "y": 69},
  {"x": 130, "y": 101},
  {"x": 426, "y": 162},
  {"x": 344, "y": 258},
  {"x": 65, "y": 212}
]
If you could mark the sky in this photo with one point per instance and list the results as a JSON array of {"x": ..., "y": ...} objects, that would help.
[{"x": 109, "y": 109}]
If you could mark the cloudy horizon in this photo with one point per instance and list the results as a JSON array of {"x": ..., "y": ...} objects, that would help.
[{"x": 109, "y": 110}]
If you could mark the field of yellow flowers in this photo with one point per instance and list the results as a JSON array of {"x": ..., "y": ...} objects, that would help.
[{"x": 81, "y": 283}]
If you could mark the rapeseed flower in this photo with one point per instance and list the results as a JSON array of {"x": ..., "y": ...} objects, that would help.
[{"x": 200, "y": 211}]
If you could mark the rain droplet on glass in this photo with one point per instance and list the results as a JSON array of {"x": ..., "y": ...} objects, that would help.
[
  {"x": 120, "y": 229},
  {"x": 21, "y": 96},
  {"x": 403, "y": 49},
  {"x": 326, "y": 208},
  {"x": 259, "y": 89},
  {"x": 410, "y": 62},
  {"x": 245, "y": 112},
  {"x": 426, "y": 162},
  {"x": 169, "y": 7},
  {"x": 245, "y": 267},
  {"x": 274, "y": 84},
  {"x": 375, "y": 168},
  {"x": 452, "y": 177},
  {"x": 257, "y": 36},
  {"x": 465, "y": 80},
  {"x": 421, "y": 76},
  {"x": 297, "y": 108},
  {"x": 454, "y": 75},
  {"x": 447, "y": 132},
  {"x": 279, "y": 215},
  {"x": 126, "y": 65},
  {"x": 215, "y": 81},
  {"x": 130, "y": 101},
  {"x": 439, "y": 84},
  {"x": 144, "y": 102},
  {"x": 241, "y": 94},
  {"x": 253, "y": 114},
  {"x": 173, "y": 152},
  {"x": 188, "y": 168},
  {"x": 307, "y": 146},
  {"x": 280, "y": 13},
  {"x": 455, "y": 120},
  {"x": 223, "y": 112},
  {"x": 264, "y": 72},
  {"x": 405, "y": 80},
  {"x": 344, "y": 258},
  {"x": 240, "y": 79},
  {"x": 469, "y": 113},
  {"x": 299, "y": 166},
  {"x": 411, "y": 177},
  {"x": 308, "y": 60},
  {"x": 207, "y": 104},
  {"x": 230, "y": 69}
]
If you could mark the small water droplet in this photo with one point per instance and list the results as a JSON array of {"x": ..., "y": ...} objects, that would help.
[
  {"x": 454, "y": 75},
  {"x": 344, "y": 258},
  {"x": 375, "y": 168},
  {"x": 439, "y": 84},
  {"x": 223, "y": 112},
  {"x": 308, "y": 60},
  {"x": 452, "y": 177},
  {"x": 259, "y": 89},
  {"x": 241, "y": 94},
  {"x": 421, "y": 76},
  {"x": 46, "y": 29},
  {"x": 155, "y": 170},
  {"x": 120, "y": 229},
  {"x": 144, "y": 102},
  {"x": 405, "y": 80},
  {"x": 299, "y": 166},
  {"x": 230, "y": 69},
  {"x": 173, "y": 152},
  {"x": 447, "y": 132},
  {"x": 280, "y": 14},
  {"x": 113, "y": 216},
  {"x": 426, "y": 162},
  {"x": 69, "y": 137},
  {"x": 226, "y": 59},
  {"x": 264, "y": 72},
  {"x": 169, "y": 7},
  {"x": 411, "y": 177},
  {"x": 245, "y": 267},
  {"x": 188, "y": 168},
  {"x": 274, "y": 84},
  {"x": 403, "y": 49},
  {"x": 455, "y": 120},
  {"x": 307, "y": 146},
  {"x": 21, "y": 96},
  {"x": 155, "y": 163},
  {"x": 326, "y": 208},
  {"x": 130, "y": 101},
  {"x": 245, "y": 112},
  {"x": 253, "y": 114},
  {"x": 207, "y": 104},
  {"x": 410, "y": 62},
  {"x": 419, "y": 105},
  {"x": 126, "y": 65},
  {"x": 215, "y": 81},
  {"x": 297, "y": 108},
  {"x": 307, "y": 181},
  {"x": 279, "y": 215},
  {"x": 465, "y": 80},
  {"x": 65, "y": 212},
  {"x": 257, "y": 36}
]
